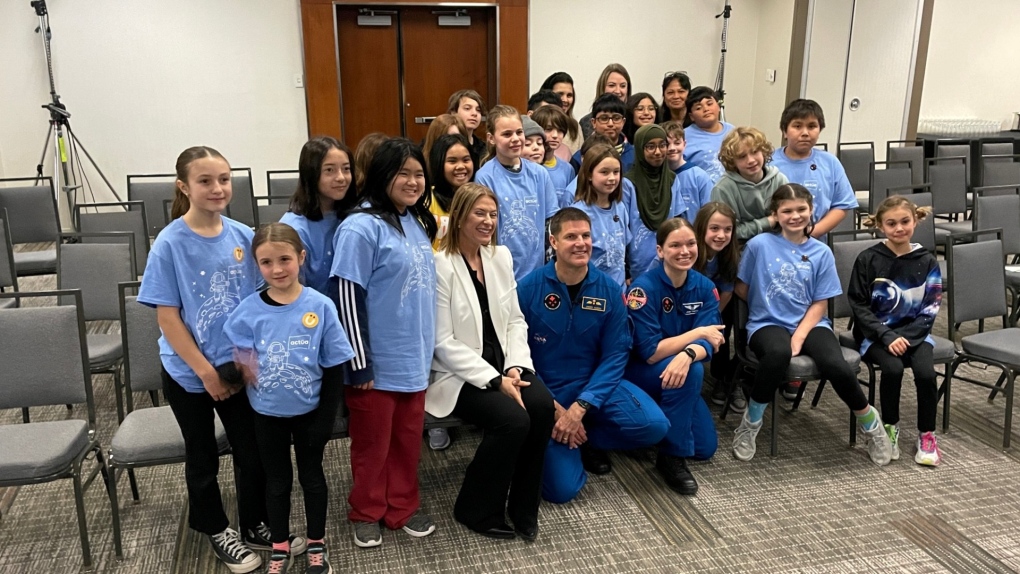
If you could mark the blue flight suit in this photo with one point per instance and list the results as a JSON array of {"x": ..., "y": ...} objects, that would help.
[
  {"x": 659, "y": 311},
  {"x": 580, "y": 349}
]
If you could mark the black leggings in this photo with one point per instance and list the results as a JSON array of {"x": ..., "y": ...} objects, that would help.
[
  {"x": 771, "y": 345},
  {"x": 920, "y": 359},
  {"x": 722, "y": 364}
]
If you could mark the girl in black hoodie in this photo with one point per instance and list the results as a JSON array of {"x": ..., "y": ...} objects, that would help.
[{"x": 895, "y": 292}]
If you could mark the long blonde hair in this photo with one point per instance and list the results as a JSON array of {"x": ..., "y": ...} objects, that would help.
[{"x": 463, "y": 200}]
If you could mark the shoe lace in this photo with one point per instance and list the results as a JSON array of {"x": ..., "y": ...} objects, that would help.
[
  {"x": 263, "y": 531},
  {"x": 315, "y": 556},
  {"x": 277, "y": 564},
  {"x": 230, "y": 542}
]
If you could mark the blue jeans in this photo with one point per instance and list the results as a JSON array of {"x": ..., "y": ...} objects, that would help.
[
  {"x": 691, "y": 427},
  {"x": 628, "y": 419}
]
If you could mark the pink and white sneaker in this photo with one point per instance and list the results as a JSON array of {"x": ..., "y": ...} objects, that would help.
[{"x": 928, "y": 453}]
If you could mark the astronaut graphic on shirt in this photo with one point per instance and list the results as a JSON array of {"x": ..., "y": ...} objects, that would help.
[
  {"x": 520, "y": 225},
  {"x": 278, "y": 373},
  {"x": 613, "y": 250},
  {"x": 420, "y": 274},
  {"x": 224, "y": 296},
  {"x": 787, "y": 283}
]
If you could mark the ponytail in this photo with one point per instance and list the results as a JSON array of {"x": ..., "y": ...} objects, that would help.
[{"x": 181, "y": 203}]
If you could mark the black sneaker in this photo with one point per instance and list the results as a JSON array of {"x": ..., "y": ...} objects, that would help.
[
  {"x": 594, "y": 460},
  {"x": 676, "y": 474},
  {"x": 318, "y": 559},
  {"x": 718, "y": 394},
  {"x": 260, "y": 539},
  {"x": 279, "y": 562},
  {"x": 237, "y": 557},
  {"x": 367, "y": 534},
  {"x": 420, "y": 525}
]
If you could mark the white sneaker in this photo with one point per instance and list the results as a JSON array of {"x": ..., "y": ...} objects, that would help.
[
  {"x": 879, "y": 446},
  {"x": 234, "y": 554},
  {"x": 894, "y": 439},
  {"x": 928, "y": 453},
  {"x": 743, "y": 440},
  {"x": 439, "y": 439}
]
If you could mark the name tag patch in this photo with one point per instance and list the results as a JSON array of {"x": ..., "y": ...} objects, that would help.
[
  {"x": 692, "y": 308},
  {"x": 593, "y": 304}
]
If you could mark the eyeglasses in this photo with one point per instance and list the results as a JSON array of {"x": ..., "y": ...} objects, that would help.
[
  {"x": 606, "y": 119},
  {"x": 662, "y": 146}
]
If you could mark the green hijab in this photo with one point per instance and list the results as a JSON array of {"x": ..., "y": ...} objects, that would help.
[{"x": 653, "y": 185}]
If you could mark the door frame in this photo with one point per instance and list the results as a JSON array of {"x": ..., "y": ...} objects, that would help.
[{"x": 321, "y": 57}]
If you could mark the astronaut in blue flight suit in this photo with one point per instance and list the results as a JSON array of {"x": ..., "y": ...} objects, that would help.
[
  {"x": 674, "y": 311},
  {"x": 580, "y": 341}
]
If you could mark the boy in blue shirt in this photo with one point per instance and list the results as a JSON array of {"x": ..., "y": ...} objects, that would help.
[
  {"x": 607, "y": 116},
  {"x": 817, "y": 170},
  {"x": 695, "y": 185},
  {"x": 705, "y": 134},
  {"x": 555, "y": 123}
]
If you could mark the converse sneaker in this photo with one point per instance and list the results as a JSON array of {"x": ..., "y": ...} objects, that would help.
[
  {"x": 318, "y": 559},
  {"x": 879, "y": 446},
  {"x": 279, "y": 562},
  {"x": 928, "y": 453},
  {"x": 261, "y": 539},
  {"x": 237, "y": 557},
  {"x": 894, "y": 439},
  {"x": 439, "y": 439},
  {"x": 738, "y": 403},
  {"x": 367, "y": 534},
  {"x": 743, "y": 440},
  {"x": 420, "y": 525}
]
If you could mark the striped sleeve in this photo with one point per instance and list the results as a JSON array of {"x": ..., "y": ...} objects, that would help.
[{"x": 352, "y": 309}]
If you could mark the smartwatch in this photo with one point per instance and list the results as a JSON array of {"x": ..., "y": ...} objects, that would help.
[
  {"x": 691, "y": 353},
  {"x": 583, "y": 404}
]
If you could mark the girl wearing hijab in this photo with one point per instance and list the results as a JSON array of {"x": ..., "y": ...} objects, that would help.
[{"x": 655, "y": 197}]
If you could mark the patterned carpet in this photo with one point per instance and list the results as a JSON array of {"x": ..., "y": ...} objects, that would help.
[{"x": 819, "y": 506}]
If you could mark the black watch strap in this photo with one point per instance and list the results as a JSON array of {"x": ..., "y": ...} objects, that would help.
[
  {"x": 584, "y": 404},
  {"x": 691, "y": 353}
]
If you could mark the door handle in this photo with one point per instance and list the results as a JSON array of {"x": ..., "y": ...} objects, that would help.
[{"x": 424, "y": 119}]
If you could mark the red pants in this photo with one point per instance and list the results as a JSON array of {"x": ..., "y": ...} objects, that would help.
[{"x": 385, "y": 429}]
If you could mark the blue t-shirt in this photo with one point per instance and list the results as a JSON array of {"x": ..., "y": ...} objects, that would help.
[
  {"x": 610, "y": 235},
  {"x": 292, "y": 343},
  {"x": 642, "y": 254},
  {"x": 526, "y": 199},
  {"x": 712, "y": 272},
  {"x": 626, "y": 150},
  {"x": 703, "y": 149},
  {"x": 317, "y": 237},
  {"x": 695, "y": 187},
  {"x": 206, "y": 278},
  {"x": 822, "y": 175},
  {"x": 398, "y": 274},
  {"x": 784, "y": 279},
  {"x": 561, "y": 173}
]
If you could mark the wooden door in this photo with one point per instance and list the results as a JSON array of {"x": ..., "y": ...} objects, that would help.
[
  {"x": 439, "y": 60},
  {"x": 369, "y": 61}
]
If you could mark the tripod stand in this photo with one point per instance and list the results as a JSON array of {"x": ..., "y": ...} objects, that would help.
[
  {"x": 720, "y": 94},
  {"x": 68, "y": 173}
]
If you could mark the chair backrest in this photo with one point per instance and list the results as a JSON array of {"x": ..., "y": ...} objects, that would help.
[
  {"x": 990, "y": 190},
  {"x": 845, "y": 253},
  {"x": 140, "y": 334},
  {"x": 282, "y": 182},
  {"x": 956, "y": 148},
  {"x": 908, "y": 150},
  {"x": 822, "y": 146},
  {"x": 241, "y": 184},
  {"x": 997, "y": 147},
  {"x": 857, "y": 162},
  {"x": 95, "y": 269},
  {"x": 948, "y": 178},
  {"x": 8, "y": 278},
  {"x": 976, "y": 277},
  {"x": 1000, "y": 170},
  {"x": 999, "y": 212},
  {"x": 848, "y": 223},
  {"x": 152, "y": 191},
  {"x": 273, "y": 211},
  {"x": 886, "y": 174},
  {"x": 46, "y": 347},
  {"x": 31, "y": 210},
  {"x": 128, "y": 216}
]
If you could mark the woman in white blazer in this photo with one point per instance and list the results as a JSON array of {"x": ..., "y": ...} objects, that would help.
[{"x": 482, "y": 372}]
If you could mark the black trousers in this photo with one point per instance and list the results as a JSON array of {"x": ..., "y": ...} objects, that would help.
[
  {"x": 274, "y": 436},
  {"x": 921, "y": 360},
  {"x": 194, "y": 414},
  {"x": 505, "y": 476},
  {"x": 771, "y": 345},
  {"x": 722, "y": 365}
]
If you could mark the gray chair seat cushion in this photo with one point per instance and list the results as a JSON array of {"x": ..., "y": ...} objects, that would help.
[
  {"x": 803, "y": 367},
  {"x": 8, "y": 303},
  {"x": 36, "y": 262},
  {"x": 940, "y": 236},
  {"x": 954, "y": 227},
  {"x": 1013, "y": 275},
  {"x": 40, "y": 449},
  {"x": 151, "y": 436},
  {"x": 944, "y": 351},
  {"x": 1002, "y": 345},
  {"x": 104, "y": 349},
  {"x": 432, "y": 422}
]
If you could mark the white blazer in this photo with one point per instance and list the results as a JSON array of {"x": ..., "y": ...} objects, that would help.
[{"x": 458, "y": 356}]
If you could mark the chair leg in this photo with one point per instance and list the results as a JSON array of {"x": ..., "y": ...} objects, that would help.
[
  {"x": 79, "y": 503},
  {"x": 945, "y": 391},
  {"x": 1007, "y": 430},
  {"x": 818, "y": 394},
  {"x": 24, "y": 415},
  {"x": 998, "y": 386},
  {"x": 154, "y": 397},
  {"x": 800, "y": 395},
  {"x": 134, "y": 485},
  {"x": 118, "y": 548},
  {"x": 774, "y": 449}
]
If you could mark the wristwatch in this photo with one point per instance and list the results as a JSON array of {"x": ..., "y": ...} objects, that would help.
[
  {"x": 691, "y": 353},
  {"x": 583, "y": 404}
]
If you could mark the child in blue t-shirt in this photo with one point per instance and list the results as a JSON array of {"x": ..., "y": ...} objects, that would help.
[
  {"x": 695, "y": 185},
  {"x": 705, "y": 134},
  {"x": 325, "y": 192},
  {"x": 556, "y": 124},
  {"x": 290, "y": 348},
  {"x": 786, "y": 279},
  {"x": 526, "y": 194},
  {"x": 817, "y": 170},
  {"x": 197, "y": 274},
  {"x": 600, "y": 196}
]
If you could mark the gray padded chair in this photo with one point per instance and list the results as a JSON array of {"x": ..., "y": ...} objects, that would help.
[
  {"x": 957, "y": 148},
  {"x": 276, "y": 206},
  {"x": 911, "y": 151},
  {"x": 801, "y": 368},
  {"x": 32, "y": 214},
  {"x": 885, "y": 175},
  {"x": 978, "y": 293},
  {"x": 949, "y": 189},
  {"x": 243, "y": 192},
  {"x": 152, "y": 191},
  {"x": 856, "y": 162},
  {"x": 8, "y": 278},
  {"x": 128, "y": 216},
  {"x": 1003, "y": 212},
  {"x": 845, "y": 254},
  {"x": 1000, "y": 170},
  {"x": 282, "y": 182},
  {"x": 51, "y": 341},
  {"x": 95, "y": 269},
  {"x": 149, "y": 436}
]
